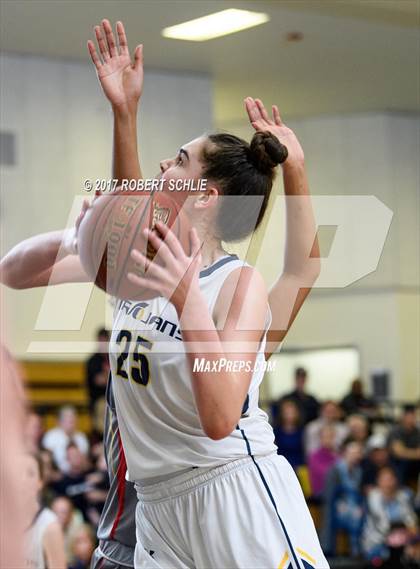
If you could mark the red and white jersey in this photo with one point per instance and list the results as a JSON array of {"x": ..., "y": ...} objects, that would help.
[{"x": 157, "y": 415}]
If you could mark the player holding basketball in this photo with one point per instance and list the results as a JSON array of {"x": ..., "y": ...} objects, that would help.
[{"x": 213, "y": 492}]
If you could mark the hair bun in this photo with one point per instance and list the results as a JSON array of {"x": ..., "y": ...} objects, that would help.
[{"x": 266, "y": 152}]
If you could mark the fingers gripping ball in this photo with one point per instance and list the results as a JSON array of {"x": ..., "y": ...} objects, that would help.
[{"x": 113, "y": 227}]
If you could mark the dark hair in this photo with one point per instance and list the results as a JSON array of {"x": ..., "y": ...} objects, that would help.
[
  {"x": 242, "y": 169},
  {"x": 38, "y": 459},
  {"x": 288, "y": 401},
  {"x": 70, "y": 445},
  {"x": 102, "y": 332},
  {"x": 300, "y": 372},
  {"x": 386, "y": 468}
]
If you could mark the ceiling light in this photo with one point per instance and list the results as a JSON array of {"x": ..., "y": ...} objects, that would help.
[{"x": 216, "y": 25}]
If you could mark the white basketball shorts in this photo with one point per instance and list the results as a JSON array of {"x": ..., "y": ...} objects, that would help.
[{"x": 247, "y": 514}]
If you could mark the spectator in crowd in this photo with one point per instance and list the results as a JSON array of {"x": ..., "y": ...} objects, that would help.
[
  {"x": 13, "y": 522},
  {"x": 330, "y": 415},
  {"x": 377, "y": 457},
  {"x": 44, "y": 542},
  {"x": 289, "y": 433},
  {"x": 98, "y": 486},
  {"x": 322, "y": 460},
  {"x": 97, "y": 370},
  {"x": 51, "y": 475},
  {"x": 34, "y": 431},
  {"x": 397, "y": 542},
  {"x": 308, "y": 405},
  {"x": 97, "y": 418},
  {"x": 83, "y": 545},
  {"x": 356, "y": 401},
  {"x": 411, "y": 558},
  {"x": 404, "y": 446},
  {"x": 358, "y": 429},
  {"x": 70, "y": 520},
  {"x": 58, "y": 439},
  {"x": 417, "y": 498},
  {"x": 343, "y": 501},
  {"x": 73, "y": 482},
  {"x": 388, "y": 505}
]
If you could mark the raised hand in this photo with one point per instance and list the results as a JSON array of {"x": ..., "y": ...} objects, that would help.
[
  {"x": 260, "y": 120},
  {"x": 121, "y": 80}
]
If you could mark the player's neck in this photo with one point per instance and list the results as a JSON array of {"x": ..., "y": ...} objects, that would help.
[
  {"x": 211, "y": 249},
  {"x": 211, "y": 252}
]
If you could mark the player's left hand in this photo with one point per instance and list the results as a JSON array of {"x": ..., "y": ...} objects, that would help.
[
  {"x": 261, "y": 121},
  {"x": 121, "y": 80},
  {"x": 176, "y": 273}
]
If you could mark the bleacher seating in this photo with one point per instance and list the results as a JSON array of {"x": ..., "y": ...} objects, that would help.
[{"x": 51, "y": 385}]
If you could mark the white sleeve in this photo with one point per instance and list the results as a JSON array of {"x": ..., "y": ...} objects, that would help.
[{"x": 83, "y": 443}]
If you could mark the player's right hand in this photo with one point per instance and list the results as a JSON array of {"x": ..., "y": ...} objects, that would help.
[
  {"x": 261, "y": 121},
  {"x": 120, "y": 79}
]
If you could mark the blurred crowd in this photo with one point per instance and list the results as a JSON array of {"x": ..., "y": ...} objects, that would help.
[
  {"x": 73, "y": 481},
  {"x": 360, "y": 474}
]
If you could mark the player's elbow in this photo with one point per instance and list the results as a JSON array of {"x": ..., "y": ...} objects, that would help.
[
  {"x": 219, "y": 429},
  {"x": 310, "y": 273},
  {"x": 314, "y": 270},
  {"x": 7, "y": 276},
  {"x": 216, "y": 434}
]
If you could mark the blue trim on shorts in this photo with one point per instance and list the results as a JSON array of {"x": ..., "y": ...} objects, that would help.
[
  {"x": 246, "y": 405},
  {"x": 272, "y": 500}
]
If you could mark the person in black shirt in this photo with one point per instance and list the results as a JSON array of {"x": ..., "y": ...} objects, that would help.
[
  {"x": 404, "y": 446},
  {"x": 308, "y": 405},
  {"x": 97, "y": 370},
  {"x": 74, "y": 482},
  {"x": 377, "y": 457},
  {"x": 356, "y": 401}
]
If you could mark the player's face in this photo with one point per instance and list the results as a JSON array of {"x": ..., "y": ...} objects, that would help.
[
  {"x": 185, "y": 168},
  {"x": 186, "y": 165}
]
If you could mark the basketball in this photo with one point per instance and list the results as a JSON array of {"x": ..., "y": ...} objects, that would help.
[{"x": 113, "y": 227}]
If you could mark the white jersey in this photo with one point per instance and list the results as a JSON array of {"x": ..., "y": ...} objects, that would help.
[
  {"x": 34, "y": 549},
  {"x": 157, "y": 415}
]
